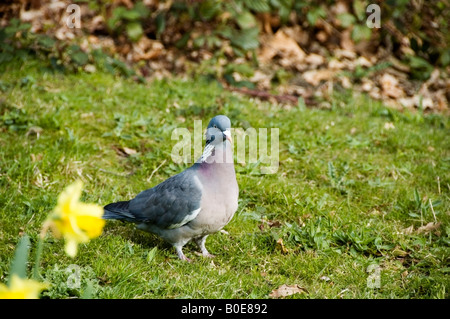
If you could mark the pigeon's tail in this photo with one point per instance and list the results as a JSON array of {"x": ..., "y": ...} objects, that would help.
[{"x": 119, "y": 210}]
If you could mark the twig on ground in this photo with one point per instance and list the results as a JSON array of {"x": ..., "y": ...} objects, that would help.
[{"x": 155, "y": 170}]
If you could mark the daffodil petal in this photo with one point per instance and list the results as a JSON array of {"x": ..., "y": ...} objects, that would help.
[
  {"x": 77, "y": 222},
  {"x": 22, "y": 289},
  {"x": 71, "y": 194},
  {"x": 92, "y": 226},
  {"x": 93, "y": 210},
  {"x": 71, "y": 248}
]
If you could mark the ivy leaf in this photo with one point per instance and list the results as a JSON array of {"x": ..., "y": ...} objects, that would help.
[
  {"x": 246, "y": 39},
  {"x": 130, "y": 15},
  {"x": 346, "y": 19},
  {"x": 246, "y": 20},
  {"x": 314, "y": 14},
  {"x": 46, "y": 42},
  {"x": 77, "y": 55},
  {"x": 209, "y": 9},
  {"x": 160, "y": 23},
  {"x": 134, "y": 31},
  {"x": 359, "y": 7},
  {"x": 115, "y": 17},
  {"x": 141, "y": 9},
  {"x": 361, "y": 32},
  {"x": 258, "y": 5}
]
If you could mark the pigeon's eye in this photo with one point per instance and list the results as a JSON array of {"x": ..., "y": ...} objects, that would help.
[{"x": 215, "y": 126}]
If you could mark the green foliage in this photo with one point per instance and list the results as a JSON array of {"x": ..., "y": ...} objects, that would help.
[
  {"x": 214, "y": 24},
  {"x": 421, "y": 68},
  {"x": 338, "y": 180},
  {"x": 361, "y": 72},
  {"x": 129, "y": 20},
  {"x": 19, "y": 263},
  {"x": 416, "y": 21},
  {"x": 18, "y": 42},
  {"x": 15, "y": 32},
  {"x": 360, "y": 33},
  {"x": 13, "y": 118},
  {"x": 388, "y": 178},
  {"x": 72, "y": 281}
]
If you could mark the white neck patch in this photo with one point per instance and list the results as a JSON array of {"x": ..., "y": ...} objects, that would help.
[{"x": 206, "y": 153}]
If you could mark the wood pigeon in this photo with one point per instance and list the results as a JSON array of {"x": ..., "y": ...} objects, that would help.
[{"x": 197, "y": 202}]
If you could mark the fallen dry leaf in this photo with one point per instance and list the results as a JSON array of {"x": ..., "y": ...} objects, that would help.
[
  {"x": 270, "y": 223},
  {"x": 389, "y": 126},
  {"x": 345, "y": 81},
  {"x": 287, "y": 290},
  {"x": 146, "y": 49},
  {"x": 390, "y": 86},
  {"x": 367, "y": 85},
  {"x": 408, "y": 230},
  {"x": 129, "y": 151},
  {"x": 314, "y": 77},
  {"x": 36, "y": 158},
  {"x": 284, "y": 46},
  {"x": 399, "y": 253},
  {"x": 280, "y": 246},
  {"x": 431, "y": 226},
  {"x": 347, "y": 43},
  {"x": 124, "y": 151},
  {"x": 315, "y": 59},
  {"x": 34, "y": 130}
]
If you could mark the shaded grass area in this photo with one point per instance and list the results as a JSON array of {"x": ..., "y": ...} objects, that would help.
[{"x": 354, "y": 187}]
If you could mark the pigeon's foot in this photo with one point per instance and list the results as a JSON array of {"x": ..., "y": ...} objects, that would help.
[
  {"x": 201, "y": 244},
  {"x": 185, "y": 258},
  {"x": 180, "y": 253}
]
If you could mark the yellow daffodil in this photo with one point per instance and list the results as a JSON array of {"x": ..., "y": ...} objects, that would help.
[
  {"x": 77, "y": 222},
  {"x": 22, "y": 289}
]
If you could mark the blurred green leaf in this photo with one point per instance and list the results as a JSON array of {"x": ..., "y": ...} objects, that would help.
[
  {"x": 77, "y": 55},
  {"x": 209, "y": 9},
  {"x": 246, "y": 39},
  {"x": 183, "y": 41},
  {"x": 115, "y": 18},
  {"x": 346, "y": 19},
  {"x": 130, "y": 15},
  {"x": 134, "y": 31},
  {"x": 246, "y": 20},
  {"x": 314, "y": 14},
  {"x": 160, "y": 23},
  {"x": 142, "y": 9},
  {"x": 359, "y": 7},
  {"x": 46, "y": 42},
  {"x": 444, "y": 59},
  {"x": 301, "y": 103},
  {"x": 420, "y": 68},
  {"x": 361, "y": 32},
  {"x": 151, "y": 255},
  {"x": 19, "y": 263},
  {"x": 284, "y": 8},
  {"x": 258, "y": 5}
]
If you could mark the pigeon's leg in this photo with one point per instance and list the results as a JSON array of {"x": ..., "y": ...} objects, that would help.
[
  {"x": 180, "y": 254},
  {"x": 201, "y": 244}
]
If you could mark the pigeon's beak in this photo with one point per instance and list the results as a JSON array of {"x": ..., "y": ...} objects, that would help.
[{"x": 227, "y": 135}]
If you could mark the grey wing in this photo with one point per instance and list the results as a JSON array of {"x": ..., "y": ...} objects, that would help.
[{"x": 171, "y": 204}]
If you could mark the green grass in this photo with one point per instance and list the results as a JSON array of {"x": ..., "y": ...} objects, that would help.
[{"x": 347, "y": 189}]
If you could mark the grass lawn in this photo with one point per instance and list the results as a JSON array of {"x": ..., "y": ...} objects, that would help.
[{"x": 347, "y": 214}]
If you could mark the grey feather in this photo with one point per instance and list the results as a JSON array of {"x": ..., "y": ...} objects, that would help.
[{"x": 168, "y": 203}]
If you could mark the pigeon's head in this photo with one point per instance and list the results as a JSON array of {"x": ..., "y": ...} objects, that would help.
[{"x": 218, "y": 130}]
